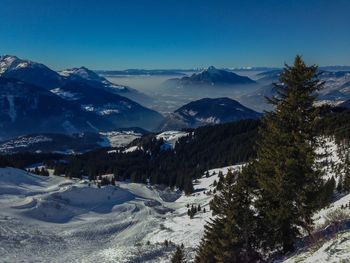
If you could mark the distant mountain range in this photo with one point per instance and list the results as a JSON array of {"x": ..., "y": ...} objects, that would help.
[
  {"x": 40, "y": 75},
  {"x": 136, "y": 72},
  {"x": 336, "y": 88},
  {"x": 210, "y": 77},
  {"x": 207, "y": 111},
  {"x": 36, "y": 99}
]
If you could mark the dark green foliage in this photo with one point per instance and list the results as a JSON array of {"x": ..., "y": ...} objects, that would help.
[
  {"x": 42, "y": 171},
  {"x": 178, "y": 256},
  {"x": 204, "y": 148},
  {"x": 326, "y": 192},
  {"x": 335, "y": 122},
  {"x": 288, "y": 182},
  {"x": 191, "y": 212},
  {"x": 230, "y": 236},
  {"x": 22, "y": 160},
  {"x": 275, "y": 196}
]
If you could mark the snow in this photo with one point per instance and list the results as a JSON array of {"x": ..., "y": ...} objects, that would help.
[
  {"x": 335, "y": 250},
  {"x": 190, "y": 112},
  {"x": 54, "y": 217},
  {"x": 210, "y": 120},
  {"x": 133, "y": 149},
  {"x": 120, "y": 138},
  {"x": 81, "y": 72},
  {"x": 7, "y": 62},
  {"x": 106, "y": 109},
  {"x": 22, "y": 142},
  {"x": 65, "y": 94},
  {"x": 170, "y": 138}
]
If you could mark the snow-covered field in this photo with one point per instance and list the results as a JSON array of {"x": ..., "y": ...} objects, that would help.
[
  {"x": 45, "y": 219},
  {"x": 54, "y": 219},
  {"x": 119, "y": 138}
]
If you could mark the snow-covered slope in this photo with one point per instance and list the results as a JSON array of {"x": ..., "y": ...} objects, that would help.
[
  {"x": 27, "y": 109},
  {"x": 84, "y": 74},
  {"x": 29, "y": 71},
  {"x": 53, "y": 217},
  {"x": 56, "y": 218}
]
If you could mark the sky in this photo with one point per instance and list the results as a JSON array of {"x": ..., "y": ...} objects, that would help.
[{"x": 116, "y": 34}]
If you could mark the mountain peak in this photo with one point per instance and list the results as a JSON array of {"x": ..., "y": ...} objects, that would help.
[
  {"x": 81, "y": 73},
  {"x": 10, "y": 63},
  {"x": 210, "y": 77}
]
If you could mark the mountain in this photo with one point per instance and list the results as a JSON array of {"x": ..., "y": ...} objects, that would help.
[
  {"x": 336, "y": 88},
  {"x": 117, "y": 110},
  {"x": 137, "y": 72},
  {"x": 29, "y": 71},
  {"x": 27, "y": 109},
  {"x": 42, "y": 76},
  {"x": 210, "y": 77},
  {"x": 95, "y": 101},
  {"x": 85, "y": 75},
  {"x": 208, "y": 112}
]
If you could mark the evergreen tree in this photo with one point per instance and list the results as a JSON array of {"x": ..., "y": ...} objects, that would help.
[
  {"x": 178, "y": 256},
  {"x": 340, "y": 184},
  {"x": 229, "y": 237},
  {"x": 288, "y": 181}
]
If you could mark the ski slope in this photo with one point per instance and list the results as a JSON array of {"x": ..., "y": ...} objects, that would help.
[{"x": 46, "y": 218}]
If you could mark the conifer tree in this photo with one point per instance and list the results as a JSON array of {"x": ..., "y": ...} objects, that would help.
[
  {"x": 178, "y": 256},
  {"x": 230, "y": 236},
  {"x": 288, "y": 181}
]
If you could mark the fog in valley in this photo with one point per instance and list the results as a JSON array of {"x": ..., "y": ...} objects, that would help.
[{"x": 165, "y": 99}]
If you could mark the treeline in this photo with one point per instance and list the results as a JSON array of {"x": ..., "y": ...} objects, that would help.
[
  {"x": 202, "y": 149},
  {"x": 336, "y": 122},
  {"x": 25, "y": 159}
]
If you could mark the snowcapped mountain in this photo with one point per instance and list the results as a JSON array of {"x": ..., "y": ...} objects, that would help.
[
  {"x": 26, "y": 109},
  {"x": 42, "y": 76},
  {"x": 86, "y": 75},
  {"x": 208, "y": 111},
  {"x": 75, "y": 100},
  {"x": 210, "y": 77},
  {"x": 29, "y": 71},
  {"x": 116, "y": 109},
  {"x": 336, "y": 88}
]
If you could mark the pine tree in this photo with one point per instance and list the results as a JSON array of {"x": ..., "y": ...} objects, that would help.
[
  {"x": 229, "y": 237},
  {"x": 340, "y": 184},
  {"x": 178, "y": 256},
  {"x": 288, "y": 180}
]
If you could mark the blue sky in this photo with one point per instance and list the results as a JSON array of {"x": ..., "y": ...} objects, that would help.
[{"x": 113, "y": 34}]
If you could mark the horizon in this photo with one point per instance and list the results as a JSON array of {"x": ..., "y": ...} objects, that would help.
[
  {"x": 238, "y": 68},
  {"x": 155, "y": 34}
]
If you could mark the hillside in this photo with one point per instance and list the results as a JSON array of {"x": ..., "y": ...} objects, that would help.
[
  {"x": 207, "y": 112},
  {"x": 210, "y": 77}
]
